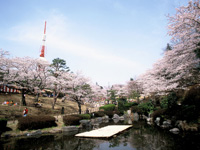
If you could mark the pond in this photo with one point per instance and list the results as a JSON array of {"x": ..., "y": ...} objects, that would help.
[{"x": 140, "y": 137}]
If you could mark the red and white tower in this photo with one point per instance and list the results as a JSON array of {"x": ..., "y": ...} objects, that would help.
[{"x": 43, "y": 44}]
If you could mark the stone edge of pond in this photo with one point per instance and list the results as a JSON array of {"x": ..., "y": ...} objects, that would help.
[
  {"x": 39, "y": 132},
  {"x": 63, "y": 129},
  {"x": 178, "y": 127}
]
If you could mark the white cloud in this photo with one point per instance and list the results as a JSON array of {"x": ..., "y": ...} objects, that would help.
[{"x": 60, "y": 38}]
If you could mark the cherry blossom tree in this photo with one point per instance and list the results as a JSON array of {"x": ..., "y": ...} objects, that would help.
[
  {"x": 98, "y": 94},
  {"x": 120, "y": 90},
  {"x": 59, "y": 84},
  {"x": 4, "y": 63},
  {"x": 116, "y": 91},
  {"x": 184, "y": 27},
  {"x": 28, "y": 73},
  {"x": 58, "y": 81},
  {"x": 79, "y": 89},
  {"x": 133, "y": 89},
  {"x": 179, "y": 68}
]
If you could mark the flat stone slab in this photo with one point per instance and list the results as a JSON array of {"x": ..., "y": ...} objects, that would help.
[{"x": 104, "y": 132}]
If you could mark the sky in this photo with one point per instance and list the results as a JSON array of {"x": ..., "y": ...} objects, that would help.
[{"x": 109, "y": 41}]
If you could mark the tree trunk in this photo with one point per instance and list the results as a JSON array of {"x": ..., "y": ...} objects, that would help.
[
  {"x": 54, "y": 99},
  {"x": 79, "y": 107},
  {"x": 138, "y": 100},
  {"x": 55, "y": 95},
  {"x": 23, "y": 98},
  {"x": 37, "y": 97}
]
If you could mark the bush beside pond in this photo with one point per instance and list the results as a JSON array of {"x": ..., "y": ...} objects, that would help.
[
  {"x": 189, "y": 108},
  {"x": 109, "y": 113},
  {"x": 158, "y": 113},
  {"x": 191, "y": 104},
  {"x": 109, "y": 107},
  {"x": 129, "y": 105},
  {"x": 85, "y": 116},
  {"x": 136, "y": 109},
  {"x": 99, "y": 114},
  {"x": 36, "y": 122},
  {"x": 71, "y": 120}
]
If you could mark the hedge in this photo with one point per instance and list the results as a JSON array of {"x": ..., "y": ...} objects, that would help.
[
  {"x": 85, "y": 116},
  {"x": 99, "y": 114},
  {"x": 71, "y": 120},
  {"x": 36, "y": 122},
  {"x": 147, "y": 107},
  {"x": 109, "y": 113},
  {"x": 109, "y": 107}
]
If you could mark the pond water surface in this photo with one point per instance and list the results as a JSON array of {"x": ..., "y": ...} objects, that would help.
[{"x": 140, "y": 137}]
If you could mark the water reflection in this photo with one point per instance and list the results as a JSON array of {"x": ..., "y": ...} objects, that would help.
[{"x": 139, "y": 137}]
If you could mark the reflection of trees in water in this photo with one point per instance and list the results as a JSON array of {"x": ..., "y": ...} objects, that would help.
[
  {"x": 57, "y": 142},
  {"x": 147, "y": 138},
  {"x": 29, "y": 143},
  {"x": 122, "y": 138},
  {"x": 144, "y": 137},
  {"x": 150, "y": 138},
  {"x": 78, "y": 143}
]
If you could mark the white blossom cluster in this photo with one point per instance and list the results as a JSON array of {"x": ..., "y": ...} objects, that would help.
[{"x": 34, "y": 75}]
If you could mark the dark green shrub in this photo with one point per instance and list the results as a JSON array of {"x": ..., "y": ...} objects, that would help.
[
  {"x": 99, "y": 114},
  {"x": 71, "y": 120},
  {"x": 147, "y": 107},
  {"x": 116, "y": 111},
  {"x": 109, "y": 113},
  {"x": 109, "y": 107},
  {"x": 192, "y": 96},
  {"x": 191, "y": 104},
  {"x": 187, "y": 112},
  {"x": 158, "y": 113},
  {"x": 129, "y": 105},
  {"x": 85, "y": 116},
  {"x": 121, "y": 107},
  {"x": 164, "y": 102},
  {"x": 3, "y": 123},
  {"x": 136, "y": 109},
  {"x": 172, "y": 100},
  {"x": 36, "y": 122},
  {"x": 173, "y": 111}
]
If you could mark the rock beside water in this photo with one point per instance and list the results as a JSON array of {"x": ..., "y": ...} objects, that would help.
[
  {"x": 36, "y": 133},
  {"x": 121, "y": 118},
  {"x": 166, "y": 124},
  {"x": 157, "y": 121},
  {"x": 185, "y": 127},
  {"x": 85, "y": 123},
  {"x": 174, "y": 130},
  {"x": 115, "y": 116}
]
